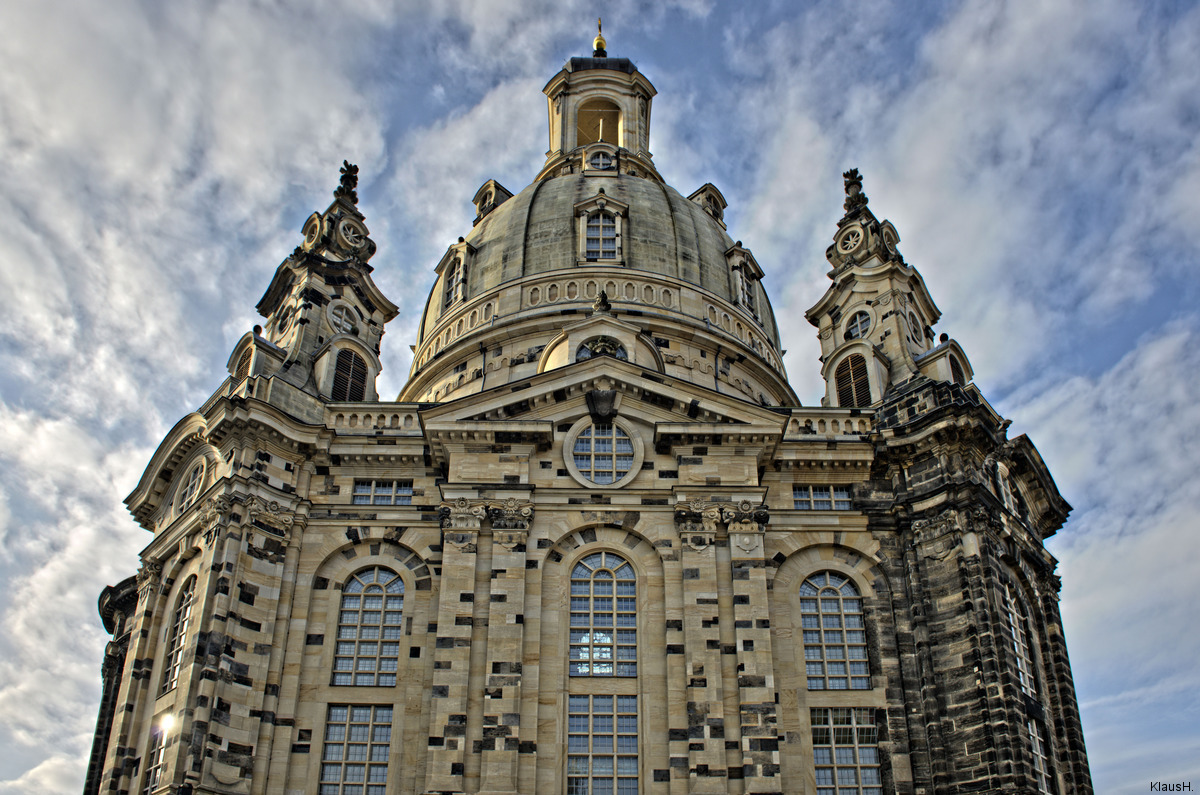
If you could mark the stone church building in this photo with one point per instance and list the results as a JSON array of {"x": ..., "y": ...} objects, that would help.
[{"x": 595, "y": 546}]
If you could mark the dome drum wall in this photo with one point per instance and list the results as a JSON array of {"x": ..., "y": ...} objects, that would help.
[{"x": 502, "y": 336}]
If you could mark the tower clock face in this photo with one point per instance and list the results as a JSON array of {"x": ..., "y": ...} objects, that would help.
[
  {"x": 351, "y": 234},
  {"x": 850, "y": 239}
]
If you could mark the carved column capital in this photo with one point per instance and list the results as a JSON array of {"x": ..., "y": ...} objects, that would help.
[
  {"x": 510, "y": 514},
  {"x": 147, "y": 577},
  {"x": 462, "y": 514},
  {"x": 697, "y": 523}
]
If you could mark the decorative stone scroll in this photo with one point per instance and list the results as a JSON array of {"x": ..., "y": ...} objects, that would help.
[
  {"x": 697, "y": 523},
  {"x": 511, "y": 514},
  {"x": 269, "y": 516},
  {"x": 147, "y": 577}
]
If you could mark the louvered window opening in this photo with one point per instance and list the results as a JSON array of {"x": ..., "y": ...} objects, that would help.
[
  {"x": 349, "y": 377},
  {"x": 603, "y": 617},
  {"x": 956, "y": 372},
  {"x": 180, "y": 621},
  {"x": 853, "y": 386},
  {"x": 370, "y": 628},
  {"x": 243, "y": 367},
  {"x": 834, "y": 633},
  {"x": 601, "y": 237}
]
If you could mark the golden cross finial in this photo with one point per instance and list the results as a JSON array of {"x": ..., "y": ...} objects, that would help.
[{"x": 599, "y": 44}]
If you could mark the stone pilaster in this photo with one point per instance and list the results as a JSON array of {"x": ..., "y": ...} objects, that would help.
[
  {"x": 452, "y": 653},
  {"x": 756, "y": 679},
  {"x": 500, "y": 743},
  {"x": 697, "y": 523}
]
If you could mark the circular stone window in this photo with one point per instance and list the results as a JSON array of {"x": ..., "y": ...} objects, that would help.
[
  {"x": 850, "y": 239},
  {"x": 605, "y": 454}
]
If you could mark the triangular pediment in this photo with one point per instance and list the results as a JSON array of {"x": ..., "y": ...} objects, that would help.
[{"x": 561, "y": 394}]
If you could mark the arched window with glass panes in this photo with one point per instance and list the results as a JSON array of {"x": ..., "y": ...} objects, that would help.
[
  {"x": 181, "y": 621},
  {"x": 370, "y": 628},
  {"x": 1024, "y": 668},
  {"x": 602, "y": 705},
  {"x": 834, "y": 633}
]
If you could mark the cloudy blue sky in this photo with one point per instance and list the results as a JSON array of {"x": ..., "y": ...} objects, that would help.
[{"x": 1041, "y": 160}]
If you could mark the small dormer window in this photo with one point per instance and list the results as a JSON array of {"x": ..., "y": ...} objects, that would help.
[
  {"x": 601, "y": 236},
  {"x": 745, "y": 287},
  {"x": 454, "y": 283},
  {"x": 859, "y": 325},
  {"x": 243, "y": 365},
  {"x": 601, "y": 161}
]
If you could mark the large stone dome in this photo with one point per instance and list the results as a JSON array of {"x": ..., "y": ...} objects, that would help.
[{"x": 515, "y": 295}]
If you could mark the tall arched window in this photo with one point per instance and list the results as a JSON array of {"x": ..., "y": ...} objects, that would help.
[
  {"x": 1025, "y": 669},
  {"x": 602, "y": 727},
  {"x": 601, "y": 236},
  {"x": 191, "y": 487},
  {"x": 370, "y": 626},
  {"x": 181, "y": 620},
  {"x": 156, "y": 759},
  {"x": 853, "y": 385},
  {"x": 603, "y": 617},
  {"x": 835, "y": 636},
  {"x": 349, "y": 376}
]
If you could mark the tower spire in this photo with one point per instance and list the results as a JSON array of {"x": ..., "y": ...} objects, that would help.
[{"x": 598, "y": 44}]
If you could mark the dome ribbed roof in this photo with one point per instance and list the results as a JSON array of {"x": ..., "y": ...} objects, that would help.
[{"x": 664, "y": 233}]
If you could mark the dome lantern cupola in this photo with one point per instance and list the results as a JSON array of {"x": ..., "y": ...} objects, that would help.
[{"x": 599, "y": 114}]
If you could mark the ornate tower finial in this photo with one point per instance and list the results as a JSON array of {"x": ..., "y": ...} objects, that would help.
[
  {"x": 598, "y": 44},
  {"x": 855, "y": 198},
  {"x": 348, "y": 183}
]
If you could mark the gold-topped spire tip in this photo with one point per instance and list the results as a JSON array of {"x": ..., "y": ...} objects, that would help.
[{"x": 598, "y": 44}]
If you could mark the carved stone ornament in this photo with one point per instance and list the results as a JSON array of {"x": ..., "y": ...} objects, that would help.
[
  {"x": 511, "y": 514},
  {"x": 746, "y": 517},
  {"x": 213, "y": 513},
  {"x": 269, "y": 516},
  {"x": 147, "y": 577},
  {"x": 855, "y": 198},
  {"x": 697, "y": 523},
  {"x": 944, "y": 522},
  {"x": 602, "y": 305},
  {"x": 462, "y": 514},
  {"x": 348, "y": 183}
]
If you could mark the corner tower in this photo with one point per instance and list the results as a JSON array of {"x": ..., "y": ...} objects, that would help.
[{"x": 875, "y": 322}]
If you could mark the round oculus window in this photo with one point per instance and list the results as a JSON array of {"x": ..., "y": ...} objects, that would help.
[
  {"x": 601, "y": 160},
  {"x": 850, "y": 239},
  {"x": 605, "y": 454},
  {"x": 341, "y": 318}
]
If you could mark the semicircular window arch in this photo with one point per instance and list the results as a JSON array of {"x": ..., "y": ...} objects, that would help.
[
  {"x": 834, "y": 633},
  {"x": 370, "y": 628}
]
